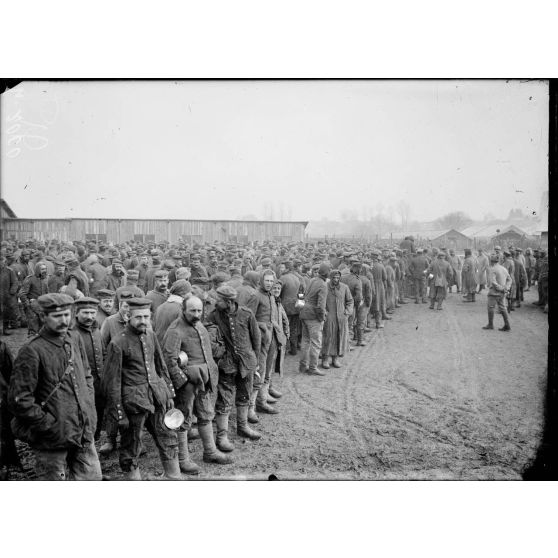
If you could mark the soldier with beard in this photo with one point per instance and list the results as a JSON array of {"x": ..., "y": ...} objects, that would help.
[
  {"x": 160, "y": 292},
  {"x": 195, "y": 382},
  {"x": 117, "y": 277}
]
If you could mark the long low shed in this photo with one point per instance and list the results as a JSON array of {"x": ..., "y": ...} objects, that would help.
[{"x": 172, "y": 230}]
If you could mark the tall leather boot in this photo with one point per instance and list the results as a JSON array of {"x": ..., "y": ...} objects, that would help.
[
  {"x": 133, "y": 474},
  {"x": 490, "y": 324},
  {"x": 506, "y": 322},
  {"x": 210, "y": 452},
  {"x": 360, "y": 342},
  {"x": 186, "y": 466},
  {"x": 108, "y": 447},
  {"x": 252, "y": 416},
  {"x": 262, "y": 405},
  {"x": 172, "y": 469},
  {"x": 242, "y": 427},
  {"x": 274, "y": 392},
  {"x": 223, "y": 442}
]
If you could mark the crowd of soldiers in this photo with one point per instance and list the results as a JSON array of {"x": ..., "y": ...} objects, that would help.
[{"x": 121, "y": 337}]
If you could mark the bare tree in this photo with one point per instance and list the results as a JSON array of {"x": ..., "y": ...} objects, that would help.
[{"x": 404, "y": 211}]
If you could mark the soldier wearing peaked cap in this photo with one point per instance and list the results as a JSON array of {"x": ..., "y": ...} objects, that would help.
[
  {"x": 160, "y": 292},
  {"x": 138, "y": 392},
  {"x": 106, "y": 305},
  {"x": 241, "y": 337},
  {"x": 87, "y": 326},
  {"x": 51, "y": 396}
]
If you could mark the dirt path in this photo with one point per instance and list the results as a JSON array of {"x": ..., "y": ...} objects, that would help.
[{"x": 432, "y": 396}]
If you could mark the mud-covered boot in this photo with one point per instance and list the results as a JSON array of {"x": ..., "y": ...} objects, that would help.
[
  {"x": 262, "y": 406},
  {"x": 223, "y": 442},
  {"x": 133, "y": 474},
  {"x": 242, "y": 428},
  {"x": 172, "y": 469},
  {"x": 108, "y": 447},
  {"x": 210, "y": 452},
  {"x": 490, "y": 324},
  {"x": 274, "y": 392},
  {"x": 252, "y": 416},
  {"x": 360, "y": 342},
  {"x": 186, "y": 466},
  {"x": 506, "y": 322}
]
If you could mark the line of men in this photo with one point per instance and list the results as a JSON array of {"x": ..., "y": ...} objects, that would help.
[{"x": 208, "y": 343}]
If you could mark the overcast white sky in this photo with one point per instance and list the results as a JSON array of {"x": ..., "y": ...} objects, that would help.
[{"x": 226, "y": 149}]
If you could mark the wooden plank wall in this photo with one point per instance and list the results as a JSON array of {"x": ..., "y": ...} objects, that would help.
[{"x": 123, "y": 230}]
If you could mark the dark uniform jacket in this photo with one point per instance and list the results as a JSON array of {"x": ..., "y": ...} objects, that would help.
[
  {"x": 315, "y": 297},
  {"x": 94, "y": 349},
  {"x": 417, "y": 266},
  {"x": 355, "y": 286},
  {"x": 242, "y": 338},
  {"x": 290, "y": 291},
  {"x": 68, "y": 419},
  {"x": 194, "y": 340},
  {"x": 135, "y": 377},
  {"x": 33, "y": 287},
  {"x": 157, "y": 298}
]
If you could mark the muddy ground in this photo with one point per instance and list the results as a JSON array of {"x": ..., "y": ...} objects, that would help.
[{"x": 432, "y": 396}]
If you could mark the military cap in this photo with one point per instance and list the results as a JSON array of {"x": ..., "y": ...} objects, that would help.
[
  {"x": 132, "y": 273},
  {"x": 335, "y": 272},
  {"x": 177, "y": 257},
  {"x": 181, "y": 288},
  {"x": 117, "y": 261},
  {"x": 161, "y": 273},
  {"x": 227, "y": 292},
  {"x": 266, "y": 261},
  {"x": 195, "y": 257},
  {"x": 139, "y": 303},
  {"x": 324, "y": 269},
  {"x": 106, "y": 293},
  {"x": 315, "y": 266},
  {"x": 393, "y": 258},
  {"x": 54, "y": 302},
  {"x": 441, "y": 255},
  {"x": 125, "y": 295},
  {"x": 507, "y": 253},
  {"x": 494, "y": 258},
  {"x": 59, "y": 262},
  {"x": 354, "y": 260},
  {"x": 219, "y": 277},
  {"x": 519, "y": 250},
  {"x": 71, "y": 260},
  {"x": 86, "y": 302}
]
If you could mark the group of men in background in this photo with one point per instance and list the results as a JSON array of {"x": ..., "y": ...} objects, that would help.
[{"x": 119, "y": 336}]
